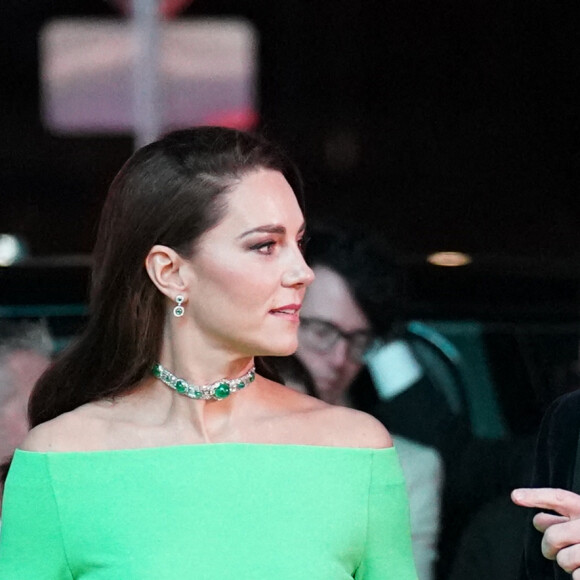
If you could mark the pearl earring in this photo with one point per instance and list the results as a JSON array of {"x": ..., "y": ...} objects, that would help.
[{"x": 179, "y": 310}]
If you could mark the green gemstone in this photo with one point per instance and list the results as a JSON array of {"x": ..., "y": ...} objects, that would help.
[
  {"x": 241, "y": 385},
  {"x": 252, "y": 376},
  {"x": 222, "y": 391},
  {"x": 197, "y": 394},
  {"x": 180, "y": 386},
  {"x": 156, "y": 371}
]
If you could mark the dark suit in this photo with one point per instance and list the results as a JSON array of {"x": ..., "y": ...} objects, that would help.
[{"x": 555, "y": 466}]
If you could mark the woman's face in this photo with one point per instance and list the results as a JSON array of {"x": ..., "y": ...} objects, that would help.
[{"x": 247, "y": 277}]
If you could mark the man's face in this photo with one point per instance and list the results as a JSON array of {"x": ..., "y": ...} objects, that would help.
[{"x": 329, "y": 300}]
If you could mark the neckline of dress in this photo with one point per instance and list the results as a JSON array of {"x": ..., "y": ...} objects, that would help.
[{"x": 208, "y": 446}]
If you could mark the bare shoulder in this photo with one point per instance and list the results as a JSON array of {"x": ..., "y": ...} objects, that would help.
[
  {"x": 351, "y": 428},
  {"x": 70, "y": 431},
  {"x": 315, "y": 422}
]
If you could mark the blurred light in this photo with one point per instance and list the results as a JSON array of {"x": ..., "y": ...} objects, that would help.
[
  {"x": 11, "y": 250},
  {"x": 449, "y": 259},
  {"x": 88, "y": 89}
]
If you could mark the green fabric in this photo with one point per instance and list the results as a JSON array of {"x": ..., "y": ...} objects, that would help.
[{"x": 221, "y": 511}]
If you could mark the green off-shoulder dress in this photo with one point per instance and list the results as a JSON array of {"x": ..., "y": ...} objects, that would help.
[{"x": 226, "y": 511}]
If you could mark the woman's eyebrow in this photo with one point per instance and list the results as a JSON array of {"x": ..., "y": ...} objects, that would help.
[
  {"x": 267, "y": 229},
  {"x": 270, "y": 229}
]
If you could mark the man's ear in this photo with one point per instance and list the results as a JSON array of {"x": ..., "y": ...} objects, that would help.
[{"x": 164, "y": 266}]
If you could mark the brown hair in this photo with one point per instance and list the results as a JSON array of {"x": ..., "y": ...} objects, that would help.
[{"x": 169, "y": 192}]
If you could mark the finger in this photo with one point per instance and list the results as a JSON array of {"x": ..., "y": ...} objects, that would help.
[
  {"x": 569, "y": 559},
  {"x": 562, "y": 501},
  {"x": 560, "y": 537},
  {"x": 543, "y": 521}
]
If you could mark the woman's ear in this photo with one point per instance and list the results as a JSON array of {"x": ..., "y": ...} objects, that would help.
[{"x": 164, "y": 266}]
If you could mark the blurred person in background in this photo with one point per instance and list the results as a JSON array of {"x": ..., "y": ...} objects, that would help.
[
  {"x": 347, "y": 307},
  {"x": 351, "y": 343},
  {"x": 25, "y": 351}
]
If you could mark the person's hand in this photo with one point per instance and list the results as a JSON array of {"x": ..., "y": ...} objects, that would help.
[{"x": 561, "y": 540}]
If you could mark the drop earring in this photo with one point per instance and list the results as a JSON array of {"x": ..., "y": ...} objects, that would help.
[{"x": 179, "y": 310}]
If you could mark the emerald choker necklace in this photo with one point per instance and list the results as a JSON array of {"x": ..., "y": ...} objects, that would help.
[{"x": 214, "y": 391}]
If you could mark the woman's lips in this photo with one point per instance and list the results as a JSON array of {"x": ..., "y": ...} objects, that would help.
[{"x": 288, "y": 312}]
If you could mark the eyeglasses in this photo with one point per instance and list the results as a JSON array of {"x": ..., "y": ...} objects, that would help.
[{"x": 322, "y": 336}]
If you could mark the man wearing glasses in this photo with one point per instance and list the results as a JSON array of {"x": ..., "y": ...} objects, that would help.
[
  {"x": 354, "y": 285},
  {"x": 334, "y": 336}
]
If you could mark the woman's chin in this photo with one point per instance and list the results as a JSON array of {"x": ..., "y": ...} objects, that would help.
[{"x": 279, "y": 349}]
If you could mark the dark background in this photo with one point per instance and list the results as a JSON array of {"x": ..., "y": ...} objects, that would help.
[{"x": 448, "y": 125}]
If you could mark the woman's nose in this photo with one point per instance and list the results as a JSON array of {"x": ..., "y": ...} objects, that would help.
[{"x": 299, "y": 273}]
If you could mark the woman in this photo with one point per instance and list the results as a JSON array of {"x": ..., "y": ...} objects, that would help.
[{"x": 156, "y": 450}]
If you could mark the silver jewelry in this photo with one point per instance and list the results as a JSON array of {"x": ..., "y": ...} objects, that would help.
[
  {"x": 216, "y": 391},
  {"x": 179, "y": 310}
]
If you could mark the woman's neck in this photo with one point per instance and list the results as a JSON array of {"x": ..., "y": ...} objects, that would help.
[
  {"x": 158, "y": 404},
  {"x": 203, "y": 366}
]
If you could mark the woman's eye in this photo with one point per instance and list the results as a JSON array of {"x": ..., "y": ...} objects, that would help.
[
  {"x": 302, "y": 242},
  {"x": 264, "y": 247}
]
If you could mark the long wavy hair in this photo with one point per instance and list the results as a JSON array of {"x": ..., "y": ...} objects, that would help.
[{"x": 169, "y": 192}]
